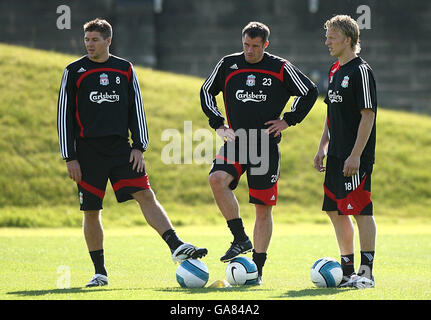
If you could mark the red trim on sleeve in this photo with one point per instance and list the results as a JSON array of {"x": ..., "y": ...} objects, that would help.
[
  {"x": 78, "y": 119},
  {"x": 334, "y": 69},
  {"x": 129, "y": 73}
]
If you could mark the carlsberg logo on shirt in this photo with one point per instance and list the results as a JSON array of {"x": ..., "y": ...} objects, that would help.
[
  {"x": 250, "y": 96},
  {"x": 100, "y": 97},
  {"x": 334, "y": 97}
]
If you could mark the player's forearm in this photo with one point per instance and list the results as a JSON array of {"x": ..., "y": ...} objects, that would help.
[
  {"x": 364, "y": 131},
  {"x": 209, "y": 107},
  {"x": 324, "y": 140},
  {"x": 302, "y": 108}
]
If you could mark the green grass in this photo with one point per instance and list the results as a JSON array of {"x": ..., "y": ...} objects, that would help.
[
  {"x": 401, "y": 267},
  {"x": 36, "y": 192},
  {"x": 37, "y": 196}
]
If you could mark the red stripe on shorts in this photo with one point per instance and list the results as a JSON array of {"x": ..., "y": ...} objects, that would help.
[
  {"x": 355, "y": 201},
  {"x": 96, "y": 191},
  {"x": 267, "y": 196},
  {"x": 329, "y": 194},
  {"x": 141, "y": 182},
  {"x": 237, "y": 165}
]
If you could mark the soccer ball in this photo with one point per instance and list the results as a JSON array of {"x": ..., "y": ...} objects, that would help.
[
  {"x": 326, "y": 273},
  {"x": 192, "y": 274},
  {"x": 241, "y": 270}
]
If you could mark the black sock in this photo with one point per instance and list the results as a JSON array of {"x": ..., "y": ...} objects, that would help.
[
  {"x": 259, "y": 259},
  {"x": 347, "y": 264},
  {"x": 98, "y": 259},
  {"x": 366, "y": 268},
  {"x": 237, "y": 229},
  {"x": 172, "y": 239}
]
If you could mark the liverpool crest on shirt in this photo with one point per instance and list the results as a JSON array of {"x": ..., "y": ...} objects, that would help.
[
  {"x": 251, "y": 80},
  {"x": 104, "y": 80},
  {"x": 345, "y": 82}
]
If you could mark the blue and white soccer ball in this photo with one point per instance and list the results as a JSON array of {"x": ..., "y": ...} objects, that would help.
[
  {"x": 326, "y": 273},
  {"x": 241, "y": 271},
  {"x": 192, "y": 274}
]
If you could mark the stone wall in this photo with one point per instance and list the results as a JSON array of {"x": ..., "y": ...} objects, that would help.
[{"x": 190, "y": 36}]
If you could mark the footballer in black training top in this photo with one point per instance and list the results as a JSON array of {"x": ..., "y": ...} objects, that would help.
[
  {"x": 256, "y": 86},
  {"x": 349, "y": 140},
  {"x": 351, "y": 88},
  {"x": 99, "y": 102}
]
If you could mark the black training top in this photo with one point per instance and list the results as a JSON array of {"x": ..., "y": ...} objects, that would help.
[
  {"x": 351, "y": 89},
  {"x": 100, "y": 100},
  {"x": 256, "y": 93}
]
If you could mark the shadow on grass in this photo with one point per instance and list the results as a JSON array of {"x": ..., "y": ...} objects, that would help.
[
  {"x": 212, "y": 290},
  {"x": 311, "y": 292},
  {"x": 38, "y": 293},
  {"x": 35, "y": 293}
]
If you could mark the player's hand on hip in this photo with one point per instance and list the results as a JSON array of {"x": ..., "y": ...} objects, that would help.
[
  {"x": 226, "y": 133},
  {"x": 137, "y": 157},
  {"x": 318, "y": 160},
  {"x": 74, "y": 170},
  {"x": 276, "y": 126},
  {"x": 351, "y": 166}
]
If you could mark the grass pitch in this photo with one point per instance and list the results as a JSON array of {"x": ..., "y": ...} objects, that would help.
[{"x": 38, "y": 263}]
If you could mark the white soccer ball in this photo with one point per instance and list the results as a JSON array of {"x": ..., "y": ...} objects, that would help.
[
  {"x": 192, "y": 274},
  {"x": 326, "y": 273},
  {"x": 241, "y": 270}
]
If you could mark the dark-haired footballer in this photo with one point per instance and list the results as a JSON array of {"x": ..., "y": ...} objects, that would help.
[
  {"x": 256, "y": 86},
  {"x": 99, "y": 103}
]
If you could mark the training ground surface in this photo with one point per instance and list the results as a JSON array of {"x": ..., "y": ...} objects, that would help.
[{"x": 38, "y": 263}]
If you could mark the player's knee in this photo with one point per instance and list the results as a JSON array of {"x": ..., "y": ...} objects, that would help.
[
  {"x": 145, "y": 197},
  {"x": 91, "y": 214},
  {"x": 219, "y": 179},
  {"x": 365, "y": 221},
  {"x": 91, "y": 217},
  {"x": 332, "y": 214},
  {"x": 263, "y": 212}
]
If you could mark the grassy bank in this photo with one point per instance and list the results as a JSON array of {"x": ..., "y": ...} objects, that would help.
[{"x": 35, "y": 189}]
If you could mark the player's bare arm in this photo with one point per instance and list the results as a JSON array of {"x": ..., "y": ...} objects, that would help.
[
  {"x": 352, "y": 163},
  {"x": 276, "y": 126},
  {"x": 322, "y": 151},
  {"x": 137, "y": 157},
  {"x": 74, "y": 170}
]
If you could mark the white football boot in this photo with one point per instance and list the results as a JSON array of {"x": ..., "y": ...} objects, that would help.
[
  {"x": 98, "y": 280},
  {"x": 188, "y": 251},
  {"x": 358, "y": 282}
]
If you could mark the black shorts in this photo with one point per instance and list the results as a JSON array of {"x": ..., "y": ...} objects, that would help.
[
  {"x": 347, "y": 195},
  {"x": 101, "y": 159},
  {"x": 262, "y": 175}
]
